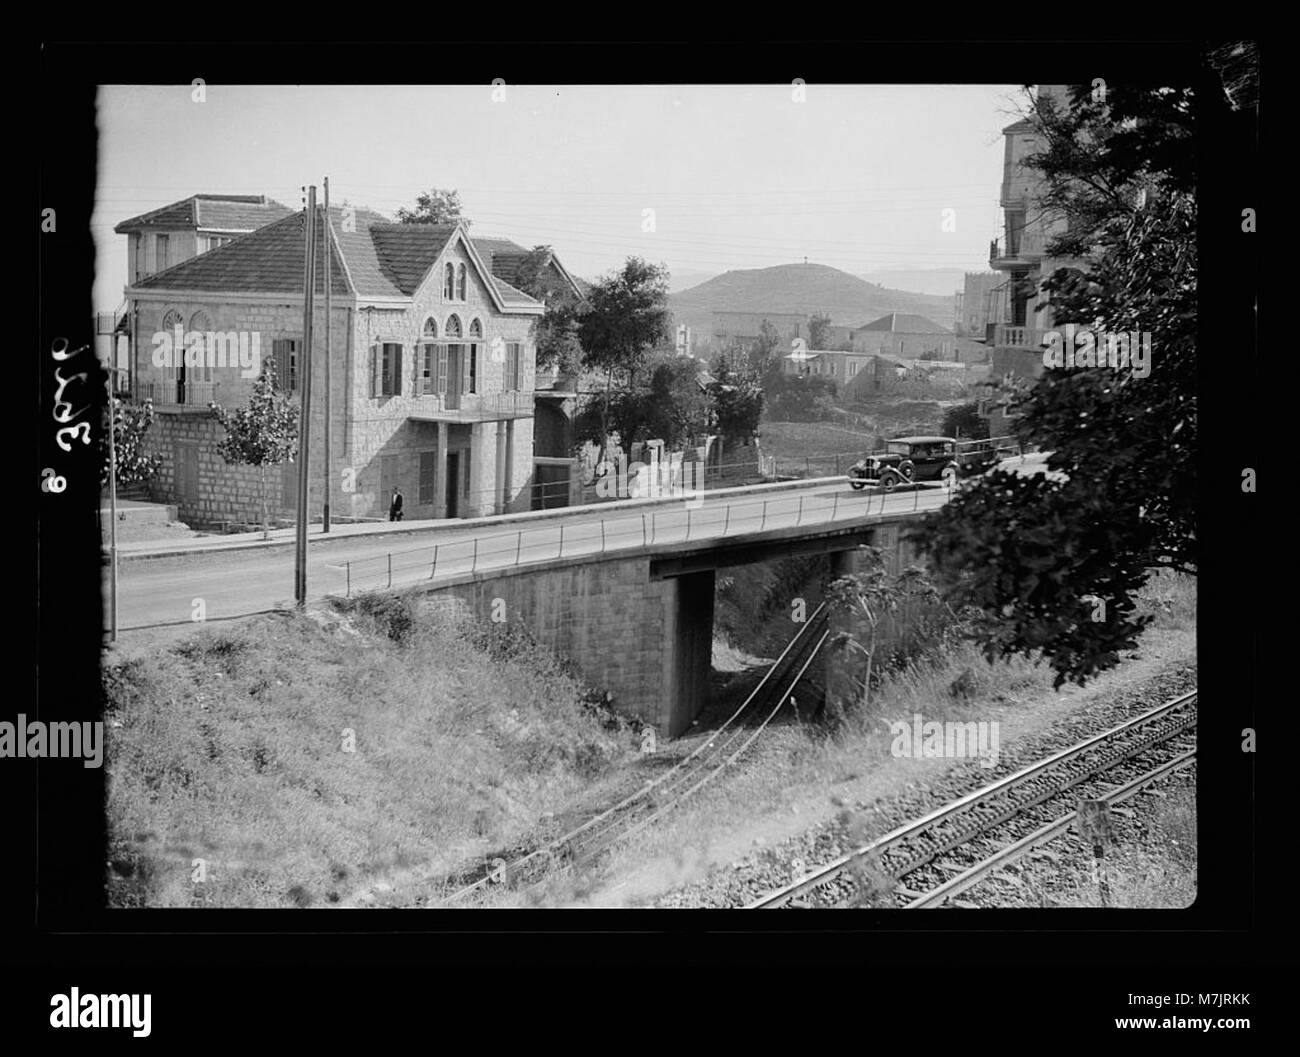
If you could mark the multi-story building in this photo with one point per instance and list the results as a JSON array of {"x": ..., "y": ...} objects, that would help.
[
  {"x": 164, "y": 237},
  {"x": 1019, "y": 314},
  {"x": 432, "y": 368},
  {"x": 173, "y": 233}
]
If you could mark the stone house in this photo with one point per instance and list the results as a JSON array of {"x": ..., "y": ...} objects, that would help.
[{"x": 432, "y": 369}]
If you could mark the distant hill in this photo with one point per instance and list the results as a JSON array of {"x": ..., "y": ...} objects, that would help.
[
  {"x": 685, "y": 278},
  {"x": 809, "y": 288},
  {"x": 942, "y": 282}
]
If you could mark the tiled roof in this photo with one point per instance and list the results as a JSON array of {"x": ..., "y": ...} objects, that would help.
[
  {"x": 504, "y": 256},
  {"x": 406, "y": 252},
  {"x": 269, "y": 260},
  {"x": 511, "y": 296},
  {"x": 906, "y": 323},
  {"x": 213, "y": 212},
  {"x": 364, "y": 265},
  {"x": 378, "y": 259}
]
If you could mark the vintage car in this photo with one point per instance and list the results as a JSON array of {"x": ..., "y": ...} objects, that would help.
[{"x": 908, "y": 460}]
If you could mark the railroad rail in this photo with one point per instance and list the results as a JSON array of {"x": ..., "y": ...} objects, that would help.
[
  {"x": 686, "y": 777},
  {"x": 919, "y": 844}
]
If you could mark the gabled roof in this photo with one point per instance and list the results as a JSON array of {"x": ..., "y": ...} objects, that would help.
[
  {"x": 379, "y": 259},
  {"x": 504, "y": 257},
  {"x": 406, "y": 252},
  {"x": 237, "y": 213},
  {"x": 906, "y": 323}
]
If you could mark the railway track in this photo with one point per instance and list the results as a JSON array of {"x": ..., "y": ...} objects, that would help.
[
  {"x": 671, "y": 788},
  {"x": 929, "y": 860}
]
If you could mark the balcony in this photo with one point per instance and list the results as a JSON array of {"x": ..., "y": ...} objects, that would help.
[
  {"x": 1009, "y": 336},
  {"x": 174, "y": 396},
  {"x": 482, "y": 407}
]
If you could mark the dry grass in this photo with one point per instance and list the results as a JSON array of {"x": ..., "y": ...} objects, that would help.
[
  {"x": 230, "y": 748},
  {"x": 1159, "y": 873}
]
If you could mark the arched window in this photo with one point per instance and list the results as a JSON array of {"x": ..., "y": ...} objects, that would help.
[
  {"x": 429, "y": 353},
  {"x": 475, "y": 336},
  {"x": 460, "y": 282},
  {"x": 449, "y": 284},
  {"x": 202, "y": 371},
  {"x": 172, "y": 320},
  {"x": 453, "y": 326}
]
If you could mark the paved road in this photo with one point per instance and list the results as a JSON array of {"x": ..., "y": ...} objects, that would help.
[{"x": 165, "y": 591}]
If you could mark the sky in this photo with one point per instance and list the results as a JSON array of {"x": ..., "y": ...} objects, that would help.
[{"x": 743, "y": 176}]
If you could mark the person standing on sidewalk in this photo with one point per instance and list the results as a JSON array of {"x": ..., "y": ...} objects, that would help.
[{"x": 395, "y": 507}]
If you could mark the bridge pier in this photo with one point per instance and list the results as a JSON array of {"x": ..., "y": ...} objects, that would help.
[{"x": 687, "y": 647}]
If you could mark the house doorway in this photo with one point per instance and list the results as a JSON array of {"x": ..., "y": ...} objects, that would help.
[
  {"x": 453, "y": 483},
  {"x": 455, "y": 375}
]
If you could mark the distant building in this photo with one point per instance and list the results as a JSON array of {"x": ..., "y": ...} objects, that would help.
[
  {"x": 747, "y": 326},
  {"x": 975, "y": 303},
  {"x": 860, "y": 376},
  {"x": 905, "y": 335},
  {"x": 840, "y": 367},
  {"x": 839, "y": 337}
]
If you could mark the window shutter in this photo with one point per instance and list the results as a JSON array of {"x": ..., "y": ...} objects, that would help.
[
  {"x": 442, "y": 369},
  {"x": 397, "y": 370},
  {"x": 473, "y": 369},
  {"x": 374, "y": 371}
]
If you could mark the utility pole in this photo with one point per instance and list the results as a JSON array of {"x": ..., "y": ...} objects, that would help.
[
  {"x": 304, "y": 430},
  {"x": 329, "y": 325},
  {"x": 112, "y": 492}
]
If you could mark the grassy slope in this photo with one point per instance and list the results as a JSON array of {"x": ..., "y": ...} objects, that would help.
[{"x": 229, "y": 748}]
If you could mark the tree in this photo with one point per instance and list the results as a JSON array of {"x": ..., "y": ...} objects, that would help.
[
  {"x": 1054, "y": 561},
  {"x": 737, "y": 399},
  {"x": 132, "y": 461},
  {"x": 627, "y": 316},
  {"x": 819, "y": 327},
  {"x": 867, "y": 598},
  {"x": 765, "y": 352},
  {"x": 434, "y": 206},
  {"x": 555, "y": 335},
  {"x": 263, "y": 434},
  {"x": 668, "y": 403},
  {"x": 799, "y": 397},
  {"x": 966, "y": 422}
]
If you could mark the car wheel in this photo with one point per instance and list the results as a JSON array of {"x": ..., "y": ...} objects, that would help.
[
  {"x": 907, "y": 468},
  {"x": 857, "y": 486},
  {"x": 890, "y": 480}
]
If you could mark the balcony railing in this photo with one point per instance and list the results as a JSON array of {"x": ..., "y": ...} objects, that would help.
[
  {"x": 177, "y": 394},
  {"x": 1014, "y": 337},
  {"x": 509, "y": 402}
]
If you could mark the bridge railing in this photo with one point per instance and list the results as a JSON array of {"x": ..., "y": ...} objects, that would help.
[{"x": 553, "y": 541}]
